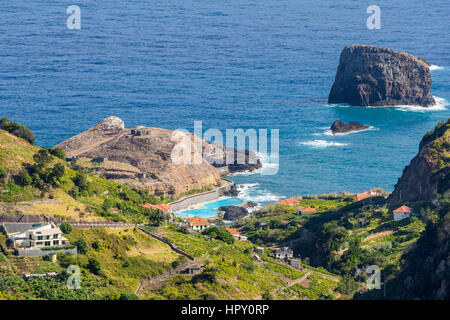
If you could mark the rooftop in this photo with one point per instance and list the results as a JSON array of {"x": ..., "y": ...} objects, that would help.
[
  {"x": 288, "y": 201},
  {"x": 198, "y": 221},
  {"x": 403, "y": 209}
]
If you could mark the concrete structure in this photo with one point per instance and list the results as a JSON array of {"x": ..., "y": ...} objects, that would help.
[
  {"x": 295, "y": 262},
  {"x": 283, "y": 253},
  {"x": 29, "y": 239},
  {"x": 402, "y": 213},
  {"x": 140, "y": 131},
  {"x": 259, "y": 250}
]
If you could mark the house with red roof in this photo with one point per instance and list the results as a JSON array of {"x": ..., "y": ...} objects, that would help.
[
  {"x": 402, "y": 213},
  {"x": 287, "y": 202},
  {"x": 165, "y": 208},
  {"x": 306, "y": 210},
  {"x": 198, "y": 224},
  {"x": 235, "y": 233}
]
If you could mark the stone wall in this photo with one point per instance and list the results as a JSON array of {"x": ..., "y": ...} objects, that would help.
[{"x": 39, "y": 252}]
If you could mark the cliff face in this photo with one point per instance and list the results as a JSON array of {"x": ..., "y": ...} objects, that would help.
[
  {"x": 140, "y": 160},
  {"x": 373, "y": 76},
  {"x": 428, "y": 174}
]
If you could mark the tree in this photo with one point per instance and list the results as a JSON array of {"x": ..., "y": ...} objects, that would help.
[
  {"x": 155, "y": 216},
  {"x": 54, "y": 174},
  {"x": 220, "y": 234},
  {"x": 66, "y": 227},
  {"x": 94, "y": 266},
  {"x": 82, "y": 246},
  {"x": 42, "y": 158},
  {"x": 24, "y": 178},
  {"x": 17, "y": 129},
  {"x": 58, "y": 152},
  {"x": 81, "y": 181},
  {"x": 128, "y": 296}
]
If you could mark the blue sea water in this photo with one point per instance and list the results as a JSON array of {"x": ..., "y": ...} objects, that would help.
[{"x": 234, "y": 64}]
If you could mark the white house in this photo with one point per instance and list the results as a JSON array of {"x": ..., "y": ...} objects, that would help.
[
  {"x": 35, "y": 236},
  {"x": 402, "y": 213}
]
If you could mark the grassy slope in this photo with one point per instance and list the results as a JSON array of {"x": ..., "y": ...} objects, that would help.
[
  {"x": 127, "y": 255},
  {"x": 381, "y": 237},
  {"x": 239, "y": 276}
]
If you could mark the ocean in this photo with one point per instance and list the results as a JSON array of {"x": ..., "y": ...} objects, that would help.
[{"x": 235, "y": 64}]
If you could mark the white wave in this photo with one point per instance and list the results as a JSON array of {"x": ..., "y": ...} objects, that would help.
[
  {"x": 253, "y": 192},
  {"x": 435, "y": 67},
  {"x": 330, "y": 133},
  {"x": 440, "y": 105},
  {"x": 322, "y": 144},
  {"x": 270, "y": 165}
]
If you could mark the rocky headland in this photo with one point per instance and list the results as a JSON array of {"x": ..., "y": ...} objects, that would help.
[
  {"x": 374, "y": 76},
  {"x": 342, "y": 127},
  {"x": 428, "y": 175},
  {"x": 141, "y": 157}
]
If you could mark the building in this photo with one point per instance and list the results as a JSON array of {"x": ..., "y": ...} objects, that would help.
[
  {"x": 402, "y": 213},
  {"x": 236, "y": 234},
  {"x": 140, "y": 131},
  {"x": 287, "y": 202},
  {"x": 34, "y": 235},
  {"x": 283, "y": 253},
  {"x": 163, "y": 207},
  {"x": 198, "y": 224},
  {"x": 361, "y": 196},
  {"x": 295, "y": 263},
  {"x": 306, "y": 210},
  {"x": 367, "y": 194}
]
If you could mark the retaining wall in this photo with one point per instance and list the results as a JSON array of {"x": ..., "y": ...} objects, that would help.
[{"x": 39, "y": 253}]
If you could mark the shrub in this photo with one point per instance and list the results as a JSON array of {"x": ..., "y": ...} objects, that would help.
[
  {"x": 220, "y": 234},
  {"x": 24, "y": 178},
  {"x": 66, "y": 227},
  {"x": 94, "y": 266},
  {"x": 82, "y": 246},
  {"x": 17, "y": 129},
  {"x": 3, "y": 173},
  {"x": 128, "y": 296},
  {"x": 58, "y": 152},
  {"x": 42, "y": 158}
]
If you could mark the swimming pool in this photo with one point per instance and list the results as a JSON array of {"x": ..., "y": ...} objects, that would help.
[
  {"x": 203, "y": 213},
  {"x": 210, "y": 208},
  {"x": 224, "y": 202}
]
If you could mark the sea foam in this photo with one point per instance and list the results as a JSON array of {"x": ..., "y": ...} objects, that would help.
[
  {"x": 441, "y": 104},
  {"x": 322, "y": 144},
  {"x": 253, "y": 192},
  {"x": 434, "y": 67}
]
